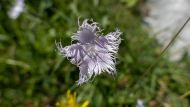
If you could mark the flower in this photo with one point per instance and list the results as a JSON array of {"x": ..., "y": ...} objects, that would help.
[
  {"x": 16, "y": 9},
  {"x": 140, "y": 103},
  {"x": 93, "y": 53},
  {"x": 70, "y": 101}
]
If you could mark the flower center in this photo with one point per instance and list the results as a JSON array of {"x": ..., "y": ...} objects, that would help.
[{"x": 86, "y": 36}]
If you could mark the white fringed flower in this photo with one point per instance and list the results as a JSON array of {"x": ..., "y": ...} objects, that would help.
[
  {"x": 16, "y": 9},
  {"x": 93, "y": 53}
]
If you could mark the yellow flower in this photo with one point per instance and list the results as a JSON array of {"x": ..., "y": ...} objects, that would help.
[{"x": 70, "y": 101}]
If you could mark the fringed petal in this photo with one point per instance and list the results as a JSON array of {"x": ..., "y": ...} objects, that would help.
[
  {"x": 87, "y": 32},
  {"x": 73, "y": 52},
  {"x": 113, "y": 41}
]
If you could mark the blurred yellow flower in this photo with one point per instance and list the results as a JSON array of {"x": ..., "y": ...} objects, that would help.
[{"x": 70, "y": 101}]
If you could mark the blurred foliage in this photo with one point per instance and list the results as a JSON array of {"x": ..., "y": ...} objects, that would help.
[
  {"x": 130, "y": 3},
  {"x": 33, "y": 74}
]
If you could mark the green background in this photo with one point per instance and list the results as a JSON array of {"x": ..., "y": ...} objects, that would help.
[{"x": 33, "y": 74}]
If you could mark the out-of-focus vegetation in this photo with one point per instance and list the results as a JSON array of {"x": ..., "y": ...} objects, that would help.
[{"x": 33, "y": 74}]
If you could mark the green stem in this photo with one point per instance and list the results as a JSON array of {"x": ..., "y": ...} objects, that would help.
[{"x": 166, "y": 48}]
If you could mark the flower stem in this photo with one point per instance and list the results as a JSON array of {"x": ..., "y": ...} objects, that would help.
[{"x": 165, "y": 49}]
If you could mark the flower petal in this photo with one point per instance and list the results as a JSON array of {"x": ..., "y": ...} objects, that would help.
[
  {"x": 75, "y": 52},
  {"x": 113, "y": 41},
  {"x": 87, "y": 32}
]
